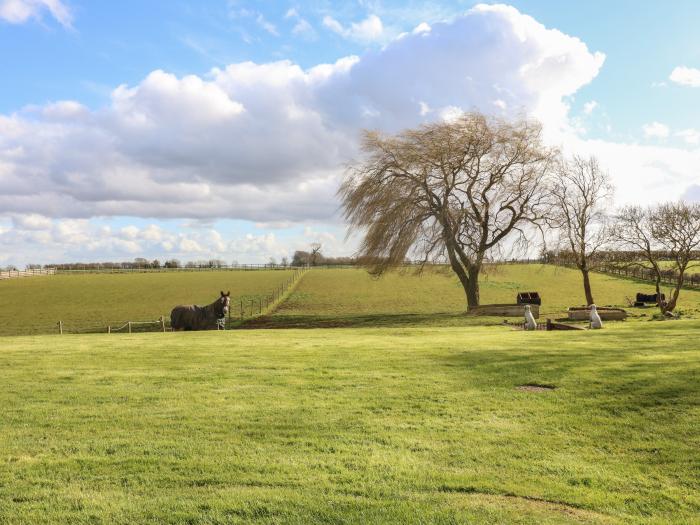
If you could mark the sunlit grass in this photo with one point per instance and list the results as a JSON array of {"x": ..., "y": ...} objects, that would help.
[
  {"x": 347, "y": 297},
  {"x": 91, "y": 302},
  {"x": 405, "y": 425}
]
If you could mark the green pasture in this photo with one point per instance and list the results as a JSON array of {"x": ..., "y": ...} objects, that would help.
[
  {"x": 91, "y": 302},
  {"x": 364, "y": 425},
  {"x": 352, "y": 297}
]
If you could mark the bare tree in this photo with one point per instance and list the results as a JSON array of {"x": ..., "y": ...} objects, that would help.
[
  {"x": 315, "y": 252},
  {"x": 447, "y": 191},
  {"x": 581, "y": 189},
  {"x": 666, "y": 231}
]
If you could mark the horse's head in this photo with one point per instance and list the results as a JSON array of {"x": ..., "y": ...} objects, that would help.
[{"x": 224, "y": 302}]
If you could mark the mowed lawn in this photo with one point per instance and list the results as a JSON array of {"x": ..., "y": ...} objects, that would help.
[
  {"x": 91, "y": 302},
  {"x": 402, "y": 425},
  {"x": 352, "y": 297}
]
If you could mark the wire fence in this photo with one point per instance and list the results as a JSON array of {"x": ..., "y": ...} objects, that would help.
[
  {"x": 243, "y": 308},
  {"x": 668, "y": 277}
]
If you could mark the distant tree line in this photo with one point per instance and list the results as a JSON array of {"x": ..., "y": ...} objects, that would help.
[{"x": 309, "y": 258}]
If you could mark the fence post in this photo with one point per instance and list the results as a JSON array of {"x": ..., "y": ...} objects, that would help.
[
  {"x": 109, "y": 329},
  {"x": 60, "y": 327},
  {"x": 129, "y": 326},
  {"x": 162, "y": 322}
]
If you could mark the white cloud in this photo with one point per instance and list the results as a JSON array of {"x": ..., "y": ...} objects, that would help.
[
  {"x": 38, "y": 239},
  {"x": 266, "y": 25},
  {"x": 368, "y": 30},
  {"x": 302, "y": 27},
  {"x": 20, "y": 11},
  {"x": 656, "y": 130},
  {"x": 588, "y": 107},
  {"x": 451, "y": 113},
  {"x": 686, "y": 76},
  {"x": 267, "y": 142},
  {"x": 332, "y": 24},
  {"x": 690, "y": 136},
  {"x": 423, "y": 27}
]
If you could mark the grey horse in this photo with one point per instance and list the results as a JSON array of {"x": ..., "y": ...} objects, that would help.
[{"x": 193, "y": 317}]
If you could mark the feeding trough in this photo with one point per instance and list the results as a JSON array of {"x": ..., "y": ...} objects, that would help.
[
  {"x": 643, "y": 299},
  {"x": 504, "y": 310},
  {"x": 583, "y": 313},
  {"x": 529, "y": 298}
]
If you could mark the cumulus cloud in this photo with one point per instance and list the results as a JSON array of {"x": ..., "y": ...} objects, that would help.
[
  {"x": 268, "y": 142},
  {"x": 656, "y": 130},
  {"x": 690, "y": 136},
  {"x": 686, "y": 76},
  {"x": 44, "y": 240},
  {"x": 20, "y": 11}
]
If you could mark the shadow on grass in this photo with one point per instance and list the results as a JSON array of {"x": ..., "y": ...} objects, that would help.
[
  {"x": 370, "y": 320},
  {"x": 618, "y": 372}
]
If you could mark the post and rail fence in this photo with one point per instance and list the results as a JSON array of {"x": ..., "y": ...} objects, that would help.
[{"x": 30, "y": 272}]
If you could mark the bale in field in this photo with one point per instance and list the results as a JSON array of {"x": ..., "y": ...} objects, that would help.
[{"x": 193, "y": 317}]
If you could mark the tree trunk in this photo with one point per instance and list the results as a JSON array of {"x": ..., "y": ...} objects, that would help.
[
  {"x": 472, "y": 288},
  {"x": 587, "y": 286},
  {"x": 671, "y": 305},
  {"x": 662, "y": 304}
]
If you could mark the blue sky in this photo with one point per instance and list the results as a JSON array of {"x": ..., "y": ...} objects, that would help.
[
  {"x": 112, "y": 43},
  {"x": 61, "y": 61}
]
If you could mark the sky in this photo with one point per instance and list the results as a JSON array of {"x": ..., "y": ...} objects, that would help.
[{"x": 221, "y": 128}]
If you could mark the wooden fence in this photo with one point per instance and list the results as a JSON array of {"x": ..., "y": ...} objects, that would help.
[{"x": 13, "y": 274}]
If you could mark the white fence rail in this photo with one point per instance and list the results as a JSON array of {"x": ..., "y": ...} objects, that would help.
[{"x": 12, "y": 274}]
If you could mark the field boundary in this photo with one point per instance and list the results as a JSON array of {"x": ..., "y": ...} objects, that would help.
[
  {"x": 15, "y": 274},
  {"x": 243, "y": 310},
  {"x": 637, "y": 273}
]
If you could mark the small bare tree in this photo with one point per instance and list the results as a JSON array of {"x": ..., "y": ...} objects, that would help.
[
  {"x": 666, "y": 231},
  {"x": 581, "y": 189},
  {"x": 448, "y": 191},
  {"x": 315, "y": 252}
]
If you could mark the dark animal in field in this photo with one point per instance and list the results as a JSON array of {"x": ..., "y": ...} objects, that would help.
[{"x": 193, "y": 317}]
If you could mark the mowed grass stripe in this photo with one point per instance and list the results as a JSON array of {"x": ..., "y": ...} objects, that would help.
[
  {"x": 90, "y": 302},
  {"x": 419, "y": 425}
]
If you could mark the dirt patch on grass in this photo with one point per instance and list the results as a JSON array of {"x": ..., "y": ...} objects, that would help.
[{"x": 536, "y": 387}]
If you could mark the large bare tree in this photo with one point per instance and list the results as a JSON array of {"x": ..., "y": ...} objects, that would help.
[
  {"x": 451, "y": 191},
  {"x": 669, "y": 231},
  {"x": 581, "y": 191}
]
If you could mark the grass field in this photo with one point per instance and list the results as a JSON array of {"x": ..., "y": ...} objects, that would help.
[
  {"x": 350, "y": 297},
  {"x": 90, "y": 302},
  {"x": 404, "y": 425}
]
